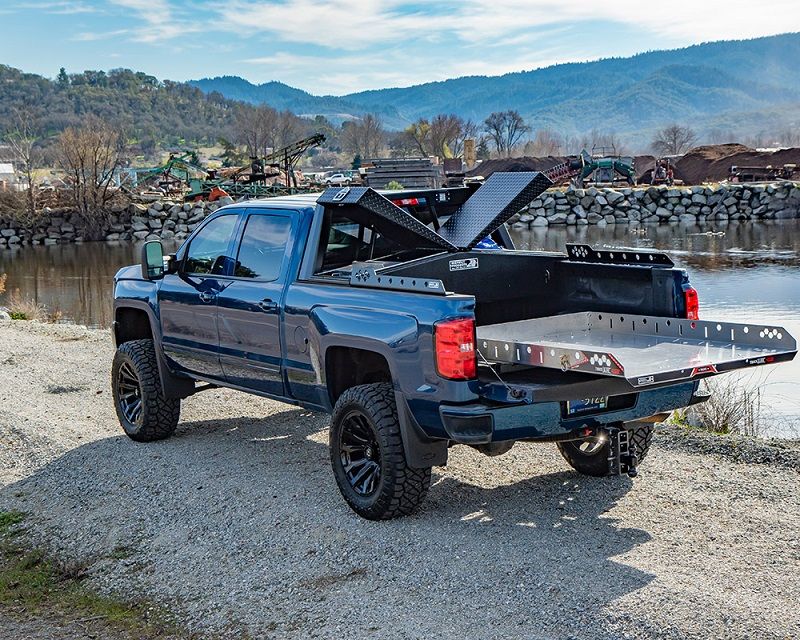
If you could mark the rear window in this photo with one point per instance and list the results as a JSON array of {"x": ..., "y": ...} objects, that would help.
[{"x": 348, "y": 242}]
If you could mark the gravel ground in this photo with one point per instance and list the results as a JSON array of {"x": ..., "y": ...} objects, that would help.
[{"x": 237, "y": 525}]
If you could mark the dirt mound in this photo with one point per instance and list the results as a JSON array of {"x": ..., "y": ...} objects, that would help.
[
  {"x": 712, "y": 163},
  {"x": 525, "y": 163}
]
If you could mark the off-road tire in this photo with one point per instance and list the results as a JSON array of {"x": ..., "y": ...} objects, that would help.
[
  {"x": 400, "y": 488},
  {"x": 158, "y": 416},
  {"x": 596, "y": 462}
]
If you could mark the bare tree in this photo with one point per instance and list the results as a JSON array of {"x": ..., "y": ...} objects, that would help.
[
  {"x": 721, "y": 136},
  {"x": 505, "y": 128},
  {"x": 545, "y": 143},
  {"x": 89, "y": 155},
  {"x": 364, "y": 137},
  {"x": 402, "y": 145},
  {"x": 22, "y": 139},
  {"x": 445, "y": 130},
  {"x": 674, "y": 140},
  {"x": 469, "y": 130},
  {"x": 257, "y": 128}
]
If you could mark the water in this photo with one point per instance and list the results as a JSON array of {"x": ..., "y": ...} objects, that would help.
[{"x": 749, "y": 272}]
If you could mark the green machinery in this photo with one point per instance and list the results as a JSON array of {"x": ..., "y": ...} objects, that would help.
[
  {"x": 604, "y": 167},
  {"x": 254, "y": 180},
  {"x": 171, "y": 177}
]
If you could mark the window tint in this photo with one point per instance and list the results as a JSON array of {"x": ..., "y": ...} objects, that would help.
[
  {"x": 263, "y": 247},
  {"x": 207, "y": 251},
  {"x": 349, "y": 242}
]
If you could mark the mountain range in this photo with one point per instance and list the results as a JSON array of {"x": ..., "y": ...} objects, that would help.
[{"x": 743, "y": 86}]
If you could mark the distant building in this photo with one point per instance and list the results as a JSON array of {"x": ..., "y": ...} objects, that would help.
[{"x": 8, "y": 177}]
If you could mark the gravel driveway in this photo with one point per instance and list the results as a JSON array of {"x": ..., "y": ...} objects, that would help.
[{"x": 236, "y": 523}]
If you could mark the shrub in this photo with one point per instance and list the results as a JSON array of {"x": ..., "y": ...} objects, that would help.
[
  {"x": 394, "y": 185},
  {"x": 20, "y": 308},
  {"x": 734, "y": 407}
]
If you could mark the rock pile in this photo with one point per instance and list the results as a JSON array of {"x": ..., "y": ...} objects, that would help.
[
  {"x": 689, "y": 205},
  {"x": 134, "y": 222}
]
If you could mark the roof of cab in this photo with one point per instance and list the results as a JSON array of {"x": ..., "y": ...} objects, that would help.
[{"x": 295, "y": 201}]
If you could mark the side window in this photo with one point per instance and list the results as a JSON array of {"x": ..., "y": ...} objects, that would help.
[
  {"x": 207, "y": 251},
  {"x": 263, "y": 247}
]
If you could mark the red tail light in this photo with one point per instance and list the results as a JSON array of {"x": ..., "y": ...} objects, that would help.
[
  {"x": 407, "y": 202},
  {"x": 692, "y": 303},
  {"x": 454, "y": 344}
]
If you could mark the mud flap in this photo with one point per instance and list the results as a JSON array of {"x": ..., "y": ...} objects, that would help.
[{"x": 421, "y": 451}]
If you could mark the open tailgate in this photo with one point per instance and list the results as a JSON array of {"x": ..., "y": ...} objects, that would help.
[{"x": 645, "y": 350}]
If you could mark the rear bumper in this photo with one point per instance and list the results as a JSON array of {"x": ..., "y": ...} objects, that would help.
[{"x": 480, "y": 423}]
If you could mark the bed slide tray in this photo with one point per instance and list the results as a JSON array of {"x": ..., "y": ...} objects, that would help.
[{"x": 645, "y": 350}]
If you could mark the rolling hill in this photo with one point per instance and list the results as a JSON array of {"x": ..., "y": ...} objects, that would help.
[{"x": 745, "y": 83}]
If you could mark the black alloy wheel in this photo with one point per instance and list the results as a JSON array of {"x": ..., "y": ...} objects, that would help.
[
  {"x": 360, "y": 453},
  {"x": 129, "y": 394}
]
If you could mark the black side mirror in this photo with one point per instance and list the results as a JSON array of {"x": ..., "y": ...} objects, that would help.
[{"x": 152, "y": 260}]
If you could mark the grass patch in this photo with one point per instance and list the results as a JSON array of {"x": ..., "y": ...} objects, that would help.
[
  {"x": 32, "y": 582},
  {"x": 21, "y": 308}
]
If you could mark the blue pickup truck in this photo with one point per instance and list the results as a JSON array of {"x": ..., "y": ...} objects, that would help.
[{"x": 413, "y": 320}]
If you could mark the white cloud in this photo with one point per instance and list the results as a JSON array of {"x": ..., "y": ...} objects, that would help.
[
  {"x": 354, "y": 25},
  {"x": 160, "y": 22},
  {"x": 62, "y": 7}
]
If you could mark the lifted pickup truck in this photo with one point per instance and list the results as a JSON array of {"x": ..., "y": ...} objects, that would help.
[{"x": 412, "y": 319}]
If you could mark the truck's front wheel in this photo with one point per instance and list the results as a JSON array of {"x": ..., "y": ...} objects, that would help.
[
  {"x": 367, "y": 455},
  {"x": 590, "y": 456},
  {"x": 143, "y": 411}
]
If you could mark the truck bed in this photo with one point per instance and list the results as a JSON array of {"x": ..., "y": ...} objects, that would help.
[{"x": 643, "y": 350}]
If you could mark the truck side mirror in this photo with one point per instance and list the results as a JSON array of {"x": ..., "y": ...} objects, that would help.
[{"x": 152, "y": 260}]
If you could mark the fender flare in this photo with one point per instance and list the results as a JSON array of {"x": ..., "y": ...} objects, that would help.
[{"x": 172, "y": 385}]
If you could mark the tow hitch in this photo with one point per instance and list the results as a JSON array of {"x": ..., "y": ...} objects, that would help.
[{"x": 622, "y": 454}]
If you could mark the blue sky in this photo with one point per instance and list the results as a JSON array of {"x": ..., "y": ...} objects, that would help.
[{"x": 341, "y": 46}]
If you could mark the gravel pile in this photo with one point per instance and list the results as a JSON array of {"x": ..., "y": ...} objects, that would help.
[{"x": 236, "y": 523}]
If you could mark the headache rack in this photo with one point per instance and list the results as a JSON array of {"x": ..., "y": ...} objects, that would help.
[{"x": 644, "y": 350}]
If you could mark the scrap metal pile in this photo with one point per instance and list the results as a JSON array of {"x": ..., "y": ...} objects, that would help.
[{"x": 183, "y": 176}]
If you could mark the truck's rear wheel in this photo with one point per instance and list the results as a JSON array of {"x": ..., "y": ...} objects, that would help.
[
  {"x": 367, "y": 455},
  {"x": 143, "y": 411},
  {"x": 590, "y": 456}
]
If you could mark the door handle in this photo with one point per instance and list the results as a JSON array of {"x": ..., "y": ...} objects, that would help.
[
  {"x": 207, "y": 296},
  {"x": 270, "y": 306}
]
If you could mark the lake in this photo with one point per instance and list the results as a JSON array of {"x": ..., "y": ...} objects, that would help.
[{"x": 743, "y": 272}]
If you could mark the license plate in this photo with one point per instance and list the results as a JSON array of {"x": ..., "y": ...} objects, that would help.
[{"x": 586, "y": 405}]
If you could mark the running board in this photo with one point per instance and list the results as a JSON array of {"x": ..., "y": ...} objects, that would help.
[{"x": 645, "y": 350}]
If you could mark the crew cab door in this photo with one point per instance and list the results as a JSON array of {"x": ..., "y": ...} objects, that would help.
[
  {"x": 250, "y": 308},
  {"x": 187, "y": 299}
]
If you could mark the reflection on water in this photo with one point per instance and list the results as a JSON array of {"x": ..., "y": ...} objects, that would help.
[
  {"x": 74, "y": 280},
  {"x": 744, "y": 272}
]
